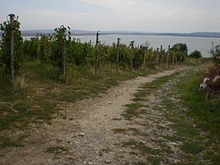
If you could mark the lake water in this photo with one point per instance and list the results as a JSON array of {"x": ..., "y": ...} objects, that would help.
[{"x": 203, "y": 44}]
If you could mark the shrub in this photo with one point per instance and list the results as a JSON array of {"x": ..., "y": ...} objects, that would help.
[
  {"x": 195, "y": 54},
  {"x": 215, "y": 52}
]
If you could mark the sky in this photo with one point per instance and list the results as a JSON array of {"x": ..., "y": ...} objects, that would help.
[{"x": 124, "y": 15}]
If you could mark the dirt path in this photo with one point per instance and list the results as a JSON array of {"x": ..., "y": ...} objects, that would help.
[{"x": 86, "y": 132}]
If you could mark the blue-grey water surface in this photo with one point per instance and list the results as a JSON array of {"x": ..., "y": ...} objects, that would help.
[{"x": 203, "y": 44}]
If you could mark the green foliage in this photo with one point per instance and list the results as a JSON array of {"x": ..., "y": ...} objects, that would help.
[
  {"x": 138, "y": 57},
  {"x": 215, "y": 52},
  {"x": 32, "y": 47},
  {"x": 181, "y": 47},
  {"x": 179, "y": 51},
  {"x": 83, "y": 54},
  {"x": 78, "y": 53},
  {"x": 205, "y": 113},
  {"x": 44, "y": 49},
  {"x": 195, "y": 54},
  {"x": 60, "y": 37},
  {"x": 5, "y": 62}
]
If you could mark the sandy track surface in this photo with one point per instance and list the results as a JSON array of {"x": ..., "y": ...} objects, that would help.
[{"x": 82, "y": 133}]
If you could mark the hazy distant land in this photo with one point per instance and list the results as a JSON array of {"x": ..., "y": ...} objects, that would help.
[{"x": 87, "y": 32}]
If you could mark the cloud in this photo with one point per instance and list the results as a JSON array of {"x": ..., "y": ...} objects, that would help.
[
  {"x": 169, "y": 15},
  {"x": 144, "y": 15}
]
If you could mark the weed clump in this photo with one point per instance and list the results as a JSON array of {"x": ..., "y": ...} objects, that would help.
[{"x": 212, "y": 85}]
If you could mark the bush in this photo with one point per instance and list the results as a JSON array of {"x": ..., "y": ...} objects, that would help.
[
  {"x": 215, "y": 52},
  {"x": 195, "y": 54}
]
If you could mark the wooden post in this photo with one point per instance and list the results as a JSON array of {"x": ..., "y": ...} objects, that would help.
[
  {"x": 176, "y": 60},
  {"x": 157, "y": 59},
  {"x": 97, "y": 53},
  {"x": 38, "y": 47},
  {"x": 117, "y": 60},
  {"x": 132, "y": 44},
  {"x": 173, "y": 60},
  {"x": 146, "y": 52},
  {"x": 168, "y": 54},
  {"x": 132, "y": 47},
  {"x": 63, "y": 54},
  {"x": 161, "y": 55},
  {"x": 145, "y": 56},
  {"x": 12, "y": 57}
]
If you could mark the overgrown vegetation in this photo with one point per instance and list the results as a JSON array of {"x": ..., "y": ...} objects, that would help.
[
  {"x": 64, "y": 52},
  {"x": 196, "y": 54},
  {"x": 205, "y": 112},
  {"x": 212, "y": 85},
  {"x": 215, "y": 53}
]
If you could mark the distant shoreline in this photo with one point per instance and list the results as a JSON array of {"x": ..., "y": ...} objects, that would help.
[
  {"x": 90, "y": 33},
  {"x": 205, "y": 35}
]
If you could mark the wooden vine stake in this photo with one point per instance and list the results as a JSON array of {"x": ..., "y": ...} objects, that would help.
[
  {"x": 12, "y": 56},
  {"x": 38, "y": 48},
  {"x": 118, "y": 51},
  {"x": 168, "y": 54},
  {"x": 146, "y": 45},
  {"x": 132, "y": 50},
  {"x": 157, "y": 59},
  {"x": 97, "y": 53},
  {"x": 63, "y": 55}
]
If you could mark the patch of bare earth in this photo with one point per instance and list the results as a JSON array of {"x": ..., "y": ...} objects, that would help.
[{"x": 92, "y": 131}]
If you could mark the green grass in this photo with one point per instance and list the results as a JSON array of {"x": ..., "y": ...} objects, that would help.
[
  {"x": 133, "y": 110},
  {"x": 155, "y": 160},
  {"x": 140, "y": 146},
  {"x": 56, "y": 149},
  {"x": 205, "y": 113},
  {"x": 192, "y": 142},
  {"x": 7, "y": 141},
  {"x": 197, "y": 62},
  {"x": 116, "y": 119},
  {"x": 137, "y": 108},
  {"x": 158, "y": 82},
  {"x": 192, "y": 147},
  {"x": 119, "y": 130},
  {"x": 134, "y": 131}
]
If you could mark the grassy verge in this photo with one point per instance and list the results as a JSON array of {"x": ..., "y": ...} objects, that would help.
[
  {"x": 205, "y": 113},
  {"x": 192, "y": 143},
  {"x": 196, "y": 62}
]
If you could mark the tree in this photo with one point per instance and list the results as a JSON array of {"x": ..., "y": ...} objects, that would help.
[
  {"x": 195, "y": 54},
  {"x": 179, "y": 51},
  {"x": 61, "y": 35},
  {"x": 181, "y": 47},
  {"x": 11, "y": 47},
  {"x": 215, "y": 52}
]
